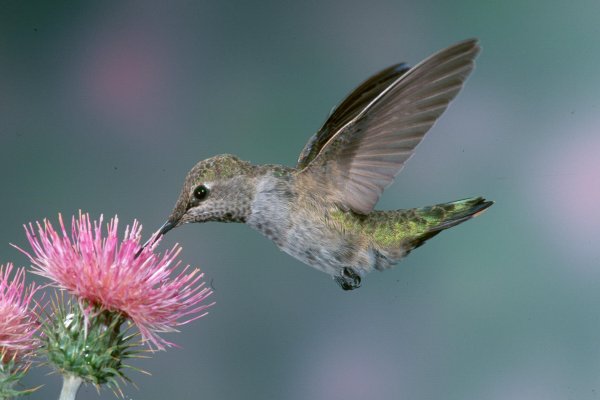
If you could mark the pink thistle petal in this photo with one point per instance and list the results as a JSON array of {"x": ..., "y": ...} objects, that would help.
[
  {"x": 105, "y": 272},
  {"x": 18, "y": 322}
]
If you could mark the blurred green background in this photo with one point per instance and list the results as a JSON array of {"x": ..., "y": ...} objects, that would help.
[{"x": 104, "y": 106}]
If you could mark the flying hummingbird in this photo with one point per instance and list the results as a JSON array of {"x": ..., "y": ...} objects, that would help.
[{"x": 321, "y": 211}]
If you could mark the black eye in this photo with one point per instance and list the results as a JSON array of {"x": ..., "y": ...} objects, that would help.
[{"x": 200, "y": 192}]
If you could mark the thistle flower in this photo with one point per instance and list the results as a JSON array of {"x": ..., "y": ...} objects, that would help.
[
  {"x": 18, "y": 324},
  {"x": 107, "y": 275}
]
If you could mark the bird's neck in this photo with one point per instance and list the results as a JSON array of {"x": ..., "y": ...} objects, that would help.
[{"x": 273, "y": 199}]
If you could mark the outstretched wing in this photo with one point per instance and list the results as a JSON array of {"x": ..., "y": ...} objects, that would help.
[
  {"x": 345, "y": 112},
  {"x": 362, "y": 157}
]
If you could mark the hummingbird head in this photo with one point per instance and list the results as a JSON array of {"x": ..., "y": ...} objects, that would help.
[{"x": 220, "y": 188}]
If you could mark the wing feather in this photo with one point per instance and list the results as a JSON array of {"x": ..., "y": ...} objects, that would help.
[
  {"x": 353, "y": 104},
  {"x": 363, "y": 156}
]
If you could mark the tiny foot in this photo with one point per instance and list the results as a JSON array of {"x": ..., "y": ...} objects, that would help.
[{"x": 348, "y": 279}]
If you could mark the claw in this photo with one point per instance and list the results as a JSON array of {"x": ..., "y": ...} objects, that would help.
[{"x": 348, "y": 279}]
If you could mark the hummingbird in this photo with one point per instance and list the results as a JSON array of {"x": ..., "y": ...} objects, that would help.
[{"x": 322, "y": 210}]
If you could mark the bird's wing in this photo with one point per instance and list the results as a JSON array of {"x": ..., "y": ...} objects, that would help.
[
  {"x": 357, "y": 162},
  {"x": 348, "y": 109}
]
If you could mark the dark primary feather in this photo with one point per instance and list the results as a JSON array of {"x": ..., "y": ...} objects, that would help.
[
  {"x": 353, "y": 104},
  {"x": 364, "y": 155}
]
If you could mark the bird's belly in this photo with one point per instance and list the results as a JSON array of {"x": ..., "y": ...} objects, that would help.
[
  {"x": 326, "y": 250},
  {"x": 307, "y": 238}
]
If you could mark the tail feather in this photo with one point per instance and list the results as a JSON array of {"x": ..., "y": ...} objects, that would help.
[
  {"x": 393, "y": 234},
  {"x": 443, "y": 216}
]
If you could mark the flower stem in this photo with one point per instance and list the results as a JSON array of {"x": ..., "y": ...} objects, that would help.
[{"x": 71, "y": 384}]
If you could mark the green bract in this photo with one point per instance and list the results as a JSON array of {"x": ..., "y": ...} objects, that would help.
[
  {"x": 90, "y": 344},
  {"x": 10, "y": 374}
]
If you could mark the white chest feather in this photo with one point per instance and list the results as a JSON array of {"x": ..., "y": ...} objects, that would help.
[{"x": 299, "y": 233}]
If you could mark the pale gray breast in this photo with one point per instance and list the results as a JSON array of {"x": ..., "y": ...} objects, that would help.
[
  {"x": 301, "y": 231},
  {"x": 271, "y": 208}
]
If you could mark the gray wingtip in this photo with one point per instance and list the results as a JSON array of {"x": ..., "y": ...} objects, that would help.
[
  {"x": 467, "y": 46},
  {"x": 471, "y": 42}
]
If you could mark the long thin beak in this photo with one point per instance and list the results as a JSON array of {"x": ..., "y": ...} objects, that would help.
[{"x": 166, "y": 227}]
